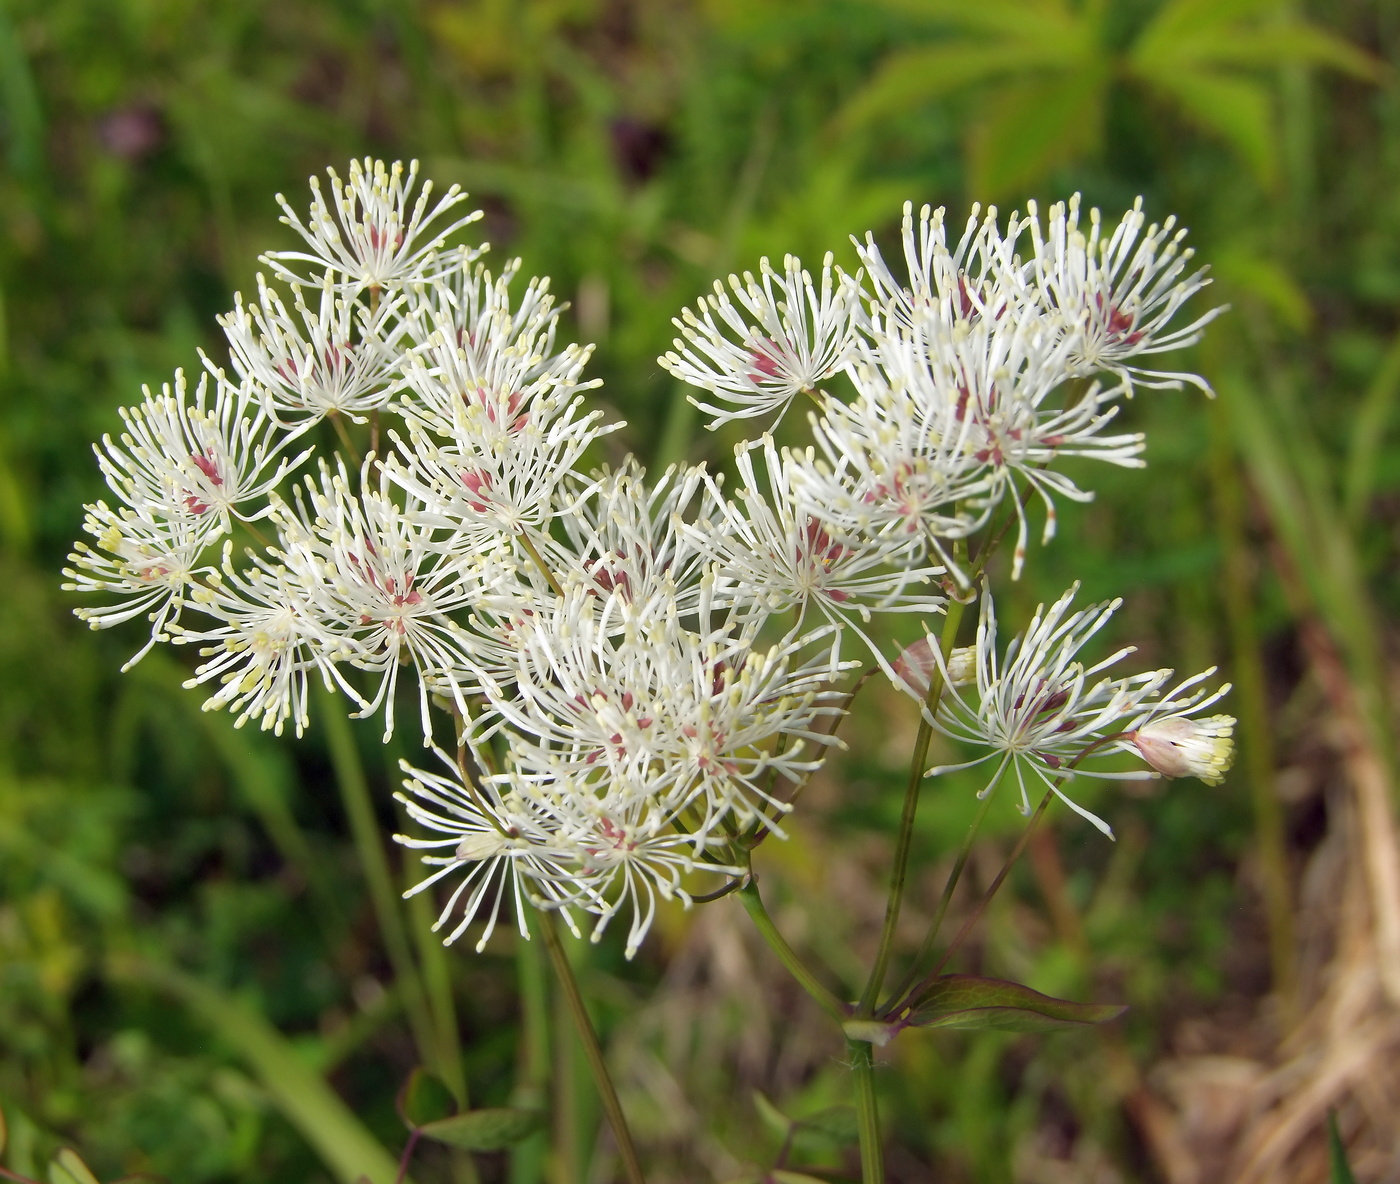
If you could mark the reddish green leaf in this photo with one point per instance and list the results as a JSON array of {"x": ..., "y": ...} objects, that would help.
[
  {"x": 966, "y": 1001},
  {"x": 484, "y": 1130}
]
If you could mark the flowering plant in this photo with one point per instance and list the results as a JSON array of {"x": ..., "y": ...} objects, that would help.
[{"x": 626, "y": 683}]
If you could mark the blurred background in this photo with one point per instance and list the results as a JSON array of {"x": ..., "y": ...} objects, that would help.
[{"x": 205, "y": 972}]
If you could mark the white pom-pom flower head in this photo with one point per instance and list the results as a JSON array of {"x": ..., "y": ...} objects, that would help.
[
  {"x": 784, "y": 338},
  {"x": 367, "y": 236},
  {"x": 1039, "y": 710}
]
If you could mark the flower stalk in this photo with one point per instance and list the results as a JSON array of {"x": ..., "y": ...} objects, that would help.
[{"x": 592, "y": 1049}]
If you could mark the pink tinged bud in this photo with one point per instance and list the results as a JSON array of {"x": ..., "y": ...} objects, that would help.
[
  {"x": 1180, "y": 747},
  {"x": 916, "y": 664}
]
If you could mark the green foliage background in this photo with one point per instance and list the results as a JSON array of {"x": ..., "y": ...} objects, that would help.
[{"x": 188, "y": 951}]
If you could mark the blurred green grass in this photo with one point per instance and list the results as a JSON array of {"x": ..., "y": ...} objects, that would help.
[{"x": 634, "y": 151}]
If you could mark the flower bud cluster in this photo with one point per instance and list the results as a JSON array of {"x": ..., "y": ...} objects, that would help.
[{"x": 394, "y": 478}]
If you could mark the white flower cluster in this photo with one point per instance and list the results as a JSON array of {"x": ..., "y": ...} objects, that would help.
[{"x": 639, "y": 677}]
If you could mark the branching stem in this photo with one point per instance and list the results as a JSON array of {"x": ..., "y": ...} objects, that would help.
[
  {"x": 925, "y": 950},
  {"x": 917, "y": 765},
  {"x": 809, "y": 982}
]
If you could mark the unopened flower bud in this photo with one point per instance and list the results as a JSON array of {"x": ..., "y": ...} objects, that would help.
[
  {"x": 916, "y": 664},
  {"x": 1179, "y": 747}
]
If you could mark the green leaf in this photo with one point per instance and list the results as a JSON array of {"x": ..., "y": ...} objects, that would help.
[
  {"x": 780, "y": 1124},
  {"x": 1179, "y": 19},
  {"x": 424, "y": 1099},
  {"x": 908, "y": 78},
  {"x": 1368, "y": 432},
  {"x": 485, "y": 1130},
  {"x": 1236, "y": 110},
  {"x": 1337, "y": 1152},
  {"x": 305, "y": 1100},
  {"x": 4, "y": 1131},
  {"x": 67, "y": 1167},
  {"x": 836, "y": 1122},
  {"x": 1268, "y": 280},
  {"x": 1031, "y": 126},
  {"x": 19, "y": 97},
  {"x": 966, "y": 1001},
  {"x": 783, "y": 1176},
  {"x": 1166, "y": 48},
  {"x": 1030, "y": 20}
]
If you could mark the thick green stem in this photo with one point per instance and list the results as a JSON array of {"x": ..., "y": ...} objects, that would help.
[
  {"x": 926, "y": 949},
  {"x": 359, "y": 809},
  {"x": 872, "y": 1151},
  {"x": 578, "y": 1013},
  {"x": 905, "y": 838},
  {"x": 753, "y": 903}
]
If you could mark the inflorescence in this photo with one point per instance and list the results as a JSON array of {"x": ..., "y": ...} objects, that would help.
[{"x": 638, "y": 678}]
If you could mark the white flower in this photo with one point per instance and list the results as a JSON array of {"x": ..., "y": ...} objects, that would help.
[
  {"x": 915, "y": 666},
  {"x": 1116, "y": 295},
  {"x": 496, "y": 841},
  {"x": 885, "y": 468},
  {"x": 625, "y": 536},
  {"x": 180, "y": 459},
  {"x": 791, "y": 339},
  {"x": 503, "y": 463},
  {"x": 992, "y": 385},
  {"x": 382, "y": 584},
  {"x": 1040, "y": 710},
  {"x": 473, "y": 350},
  {"x": 628, "y": 854},
  {"x": 262, "y": 650},
  {"x": 342, "y": 357},
  {"x": 936, "y": 274},
  {"x": 616, "y": 692},
  {"x": 367, "y": 234},
  {"x": 775, "y": 554},
  {"x": 147, "y": 559}
]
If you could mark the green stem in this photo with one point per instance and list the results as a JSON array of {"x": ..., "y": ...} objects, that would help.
[
  {"x": 578, "y": 1013},
  {"x": 534, "y": 554},
  {"x": 339, "y": 425},
  {"x": 359, "y": 809},
  {"x": 982, "y": 904},
  {"x": 952, "y": 619},
  {"x": 527, "y": 1159},
  {"x": 872, "y": 1152},
  {"x": 753, "y": 903},
  {"x": 925, "y": 950},
  {"x": 437, "y": 980}
]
